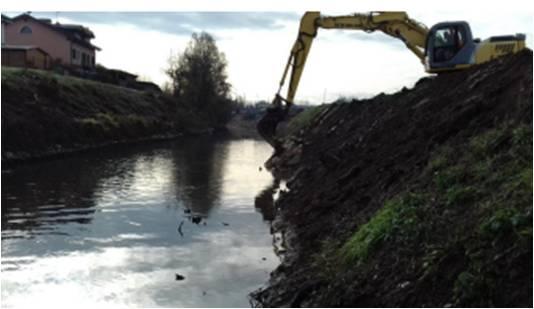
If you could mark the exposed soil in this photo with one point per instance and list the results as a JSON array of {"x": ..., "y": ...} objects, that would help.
[
  {"x": 378, "y": 168},
  {"x": 45, "y": 114}
]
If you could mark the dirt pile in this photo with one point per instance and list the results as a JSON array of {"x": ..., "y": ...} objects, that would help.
[
  {"x": 45, "y": 114},
  {"x": 420, "y": 198}
]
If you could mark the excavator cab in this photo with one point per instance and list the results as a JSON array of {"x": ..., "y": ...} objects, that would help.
[{"x": 449, "y": 46}]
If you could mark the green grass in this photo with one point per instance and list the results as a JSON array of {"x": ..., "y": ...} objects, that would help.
[
  {"x": 479, "y": 194},
  {"x": 10, "y": 73},
  {"x": 397, "y": 219},
  {"x": 505, "y": 220},
  {"x": 498, "y": 164},
  {"x": 109, "y": 122},
  {"x": 304, "y": 118},
  {"x": 458, "y": 195},
  {"x": 76, "y": 112}
]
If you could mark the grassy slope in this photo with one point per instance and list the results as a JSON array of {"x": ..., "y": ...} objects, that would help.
[
  {"x": 474, "y": 197},
  {"x": 303, "y": 119},
  {"x": 46, "y": 113},
  {"x": 477, "y": 198}
]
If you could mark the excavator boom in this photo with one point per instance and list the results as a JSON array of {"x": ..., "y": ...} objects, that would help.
[{"x": 395, "y": 24}]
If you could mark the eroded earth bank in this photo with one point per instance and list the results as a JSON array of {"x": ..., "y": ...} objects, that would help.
[{"x": 419, "y": 198}]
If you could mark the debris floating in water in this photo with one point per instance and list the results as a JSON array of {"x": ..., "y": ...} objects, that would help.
[{"x": 180, "y": 228}]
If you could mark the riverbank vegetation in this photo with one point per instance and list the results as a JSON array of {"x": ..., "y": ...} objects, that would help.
[
  {"x": 44, "y": 114},
  {"x": 474, "y": 198}
]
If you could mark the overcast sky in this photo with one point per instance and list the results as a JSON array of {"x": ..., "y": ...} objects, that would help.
[{"x": 257, "y": 44}]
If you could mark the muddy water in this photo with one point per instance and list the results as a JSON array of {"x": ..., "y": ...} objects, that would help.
[{"x": 166, "y": 225}]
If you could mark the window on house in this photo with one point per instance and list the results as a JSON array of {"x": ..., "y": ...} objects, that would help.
[
  {"x": 26, "y": 30},
  {"x": 73, "y": 53}
]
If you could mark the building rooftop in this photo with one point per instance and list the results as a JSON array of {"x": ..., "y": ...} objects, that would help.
[
  {"x": 5, "y": 19},
  {"x": 75, "y": 33}
]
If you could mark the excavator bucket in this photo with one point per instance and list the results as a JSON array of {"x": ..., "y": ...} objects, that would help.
[{"x": 268, "y": 123}]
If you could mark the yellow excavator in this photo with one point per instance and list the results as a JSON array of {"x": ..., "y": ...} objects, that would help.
[{"x": 447, "y": 46}]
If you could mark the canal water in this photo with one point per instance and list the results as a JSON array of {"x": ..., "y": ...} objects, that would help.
[{"x": 171, "y": 224}]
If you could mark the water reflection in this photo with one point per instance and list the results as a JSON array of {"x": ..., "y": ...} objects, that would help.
[
  {"x": 116, "y": 226},
  {"x": 38, "y": 196},
  {"x": 264, "y": 201},
  {"x": 198, "y": 172},
  {"x": 35, "y": 206}
]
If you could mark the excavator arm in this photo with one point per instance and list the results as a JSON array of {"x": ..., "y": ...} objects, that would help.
[{"x": 395, "y": 24}]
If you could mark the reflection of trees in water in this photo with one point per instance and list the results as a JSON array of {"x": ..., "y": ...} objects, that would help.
[
  {"x": 48, "y": 193},
  {"x": 38, "y": 196},
  {"x": 199, "y": 174}
]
